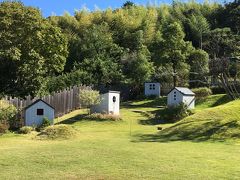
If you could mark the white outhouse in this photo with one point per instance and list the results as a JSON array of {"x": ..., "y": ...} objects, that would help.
[
  {"x": 36, "y": 111},
  {"x": 152, "y": 88},
  {"x": 181, "y": 95},
  {"x": 109, "y": 104}
]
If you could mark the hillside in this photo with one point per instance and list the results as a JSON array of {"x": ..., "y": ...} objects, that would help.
[{"x": 217, "y": 123}]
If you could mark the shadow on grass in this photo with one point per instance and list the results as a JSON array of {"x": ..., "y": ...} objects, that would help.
[
  {"x": 157, "y": 102},
  {"x": 153, "y": 117},
  {"x": 212, "y": 131},
  {"x": 80, "y": 118},
  {"x": 215, "y": 102}
]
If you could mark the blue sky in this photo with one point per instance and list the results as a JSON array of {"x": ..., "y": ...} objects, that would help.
[{"x": 58, "y": 7}]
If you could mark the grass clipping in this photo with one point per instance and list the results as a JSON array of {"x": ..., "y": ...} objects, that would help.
[{"x": 56, "y": 132}]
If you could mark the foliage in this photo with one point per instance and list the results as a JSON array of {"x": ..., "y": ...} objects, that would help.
[
  {"x": 26, "y": 130},
  {"x": 202, "y": 92},
  {"x": 8, "y": 113},
  {"x": 199, "y": 68},
  {"x": 104, "y": 117},
  {"x": 45, "y": 123},
  {"x": 175, "y": 113},
  {"x": 57, "y": 132},
  {"x": 3, "y": 128},
  {"x": 175, "y": 51},
  {"x": 89, "y": 97},
  {"x": 127, "y": 46},
  {"x": 30, "y": 50}
]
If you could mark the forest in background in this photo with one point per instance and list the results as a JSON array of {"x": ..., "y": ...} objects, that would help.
[{"x": 182, "y": 44}]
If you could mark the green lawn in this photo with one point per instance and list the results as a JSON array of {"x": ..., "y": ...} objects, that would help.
[{"x": 129, "y": 149}]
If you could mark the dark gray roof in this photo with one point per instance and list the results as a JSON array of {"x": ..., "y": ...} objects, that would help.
[
  {"x": 37, "y": 102},
  {"x": 184, "y": 91}
]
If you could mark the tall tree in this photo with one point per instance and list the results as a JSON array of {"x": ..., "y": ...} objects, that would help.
[
  {"x": 199, "y": 27},
  {"x": 175, "y": 51},
  {"x": 30, "y": 49}
]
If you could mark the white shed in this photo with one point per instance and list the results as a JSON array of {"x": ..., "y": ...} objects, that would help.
[
  {"x": 110, "y": 103},
  {"x": 181, "y": 95},
  {"x": 36, "y": 111},
  {"x": 152, "y": 88}
]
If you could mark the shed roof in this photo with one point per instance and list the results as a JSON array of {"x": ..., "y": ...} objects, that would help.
[
  {"x": 35, "y": 102},
  {"x": 184, "y": 91}
]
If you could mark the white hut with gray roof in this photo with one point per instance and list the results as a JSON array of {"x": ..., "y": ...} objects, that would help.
[{"x": 181, "y": 95}]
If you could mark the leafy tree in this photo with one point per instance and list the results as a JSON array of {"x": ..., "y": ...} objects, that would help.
[
  {"x": 89, "y": 98},
  {"x": 222, "y": 42},
  {"x": 199, "y": 26},
  {"x": 199, "y": 68},
  {"x": 175, "y": 51},
  {"x": 128, "y": 4},
  {"x": 30, "y": 49}
]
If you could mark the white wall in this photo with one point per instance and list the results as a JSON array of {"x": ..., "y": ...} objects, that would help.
[
  {"x": 107, "y": 105},
  {"x": 152, "y": 89},
  {"x": 114, "y": 106},
  {"x": 174, "y": 98},
  {"x": 189, "y": 101},
  {"x": 31, "y": 117}
]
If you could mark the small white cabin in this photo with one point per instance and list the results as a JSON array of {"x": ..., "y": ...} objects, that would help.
[
  {"x": 109, "y": 104},
  {"x": 181, "y": 95},
  {"x": 36, "y": 111},
  {"x": 152, "y": 89}
]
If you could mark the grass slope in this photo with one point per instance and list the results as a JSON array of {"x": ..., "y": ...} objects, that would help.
[
  {"x": 116, "y": 150},
  {"x": 218, "y": 123}
]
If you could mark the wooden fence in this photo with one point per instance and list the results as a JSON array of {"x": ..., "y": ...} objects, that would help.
[{"x": 64, "y": 101}]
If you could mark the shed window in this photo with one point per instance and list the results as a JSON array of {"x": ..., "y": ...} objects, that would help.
[
  {"x": 153, "y": 86},
  {"x": 40, "y": 112},
  {"x": 114, "y": 99},
  {"x": 150, "y": 87}
]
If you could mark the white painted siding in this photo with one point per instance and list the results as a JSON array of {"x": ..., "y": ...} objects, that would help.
[
  {"x": 152, "y": 89},
  {"x": 31, "y": 117},
  {"x": 107, "y": 105},
  {"x": 189, "y": 101},
  {"x": 114, "y": 106},
  {"x": 174, "y": 98}
]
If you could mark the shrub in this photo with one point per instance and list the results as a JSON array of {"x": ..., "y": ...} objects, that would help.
[
  {"x": 89, "y": 97},
  {"x": 218, "y": 90},
  {"x": 104, "y": 117},
  {"x": 176, "y": 113},
  {"x": 202, "y": 92},
  {"x": 26, "y": 130},
  {"x": 57, "y": 132},
  {"x": 8, "y": 113},
  {"x": 45, "y": 123},
  {"x": 3, "y": 128}
]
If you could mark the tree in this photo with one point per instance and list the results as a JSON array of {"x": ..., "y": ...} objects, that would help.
[
  {"x": 89, "y": 98},
  {"x": 199, "y": 68},
  {"x": 223, "y": 46},
  {"x": 174, "y": 51},
  {"x": 199, "y": 27},
  {"x": 137, "y": 64},
  {"x": 31, "y": 49},
  {"x": 100, "y": 56},
  {"x": 128, "y": 4},
  {"x": 222, "y": 43}
]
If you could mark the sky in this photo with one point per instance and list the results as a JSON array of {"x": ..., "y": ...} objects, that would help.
[{"x": 58, "y": 7}]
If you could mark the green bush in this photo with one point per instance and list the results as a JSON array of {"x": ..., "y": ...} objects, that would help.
[
  {"x": 8, "y": 113},
  {"x": 202, "y": 92},
  {"x": 26, "y": 130},
  {"x": 57, "y": 132},
  {"x": 175, "y": 113},
  {"x": 103, "y": 117},
  {"x": 3, "y": 128}
]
